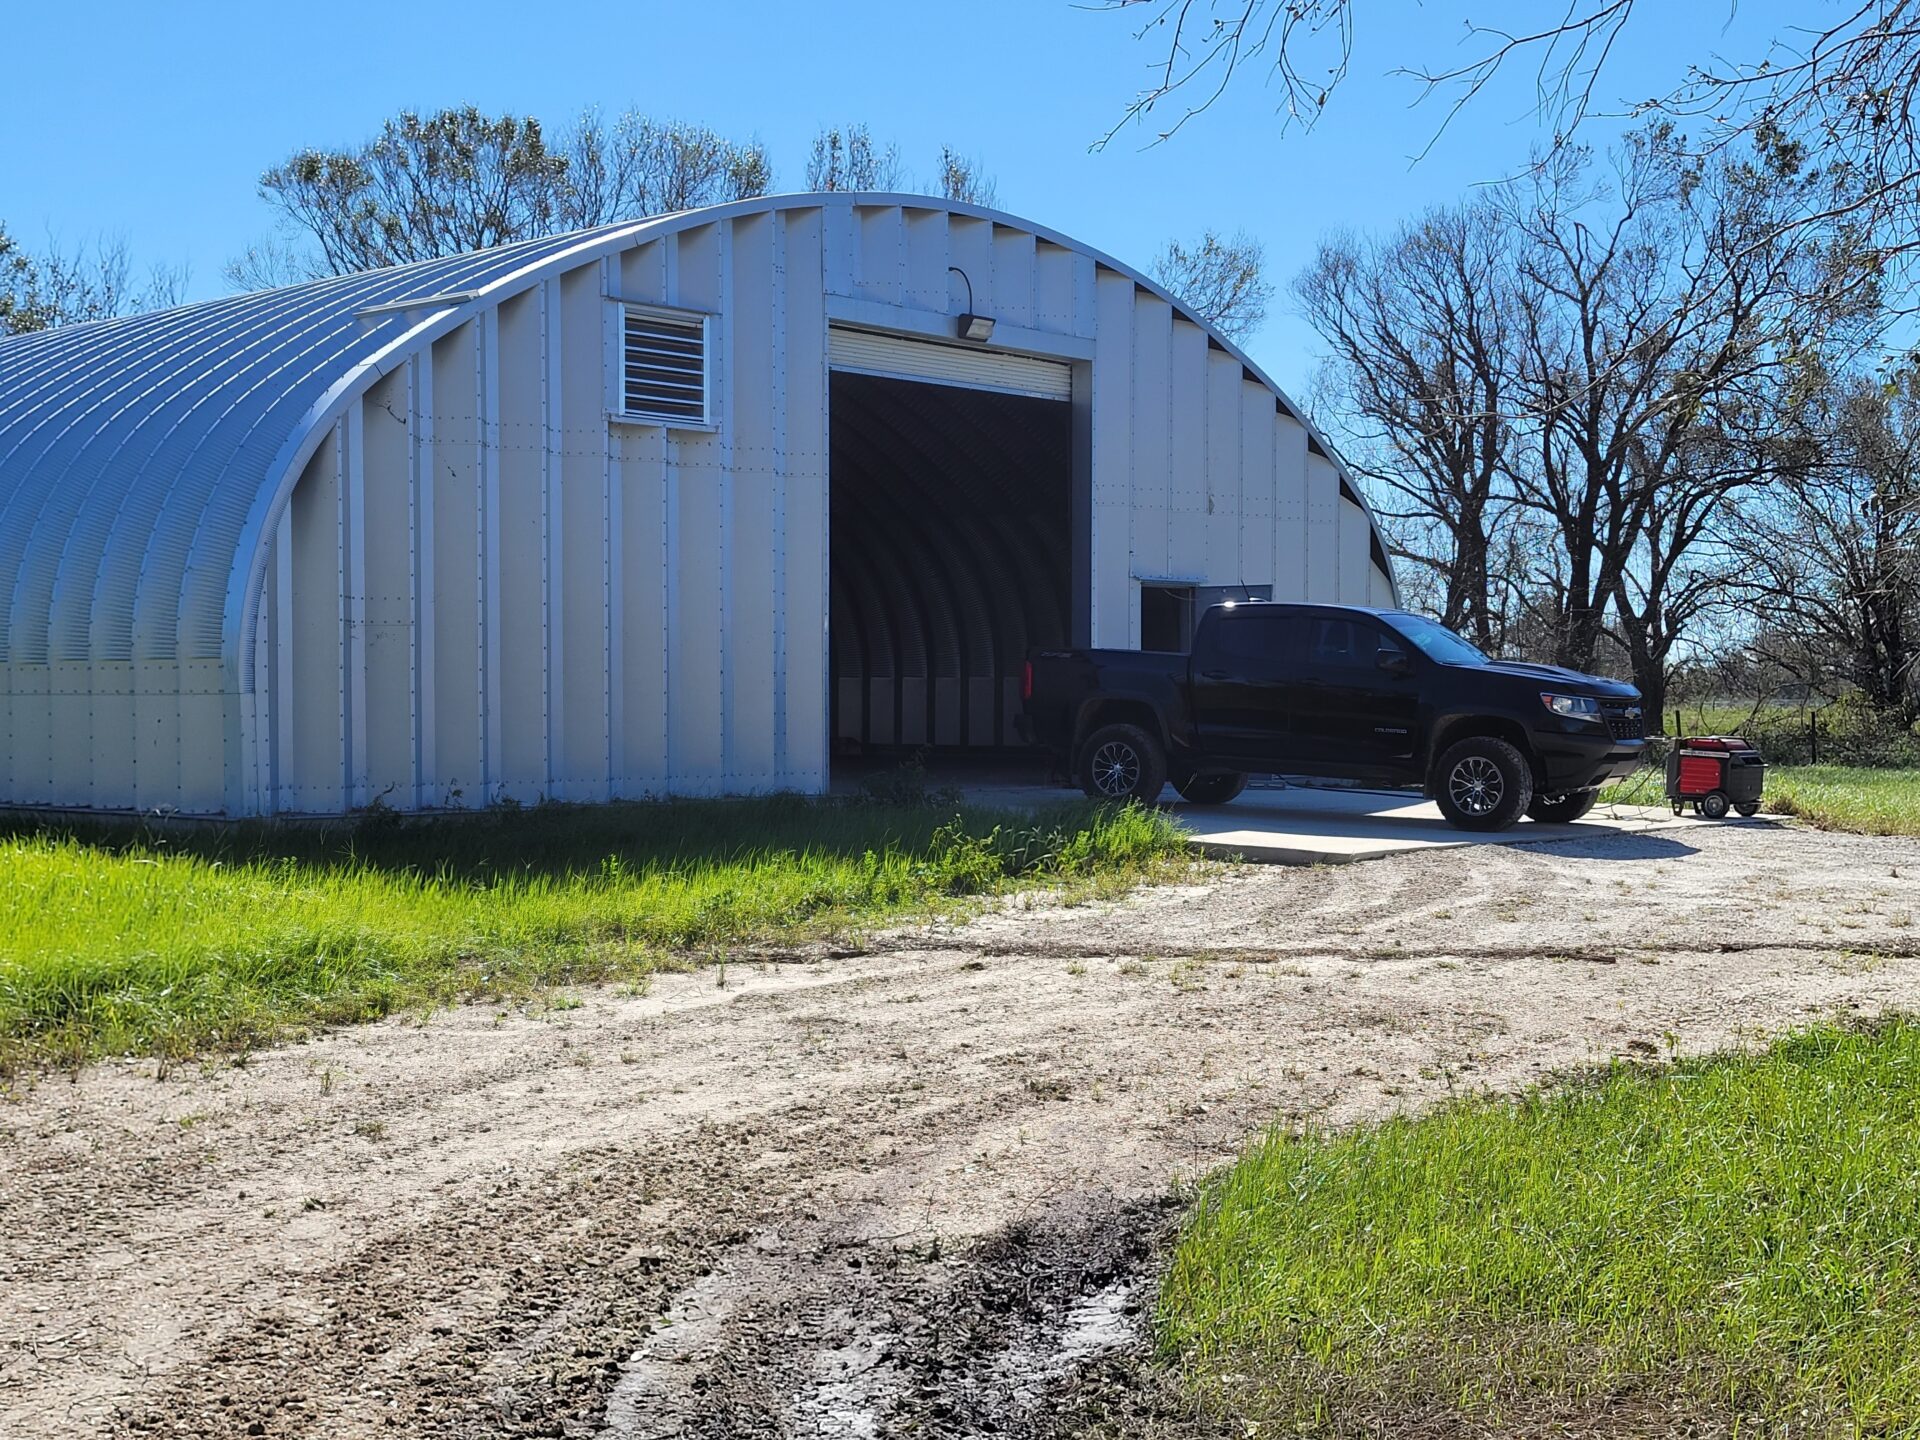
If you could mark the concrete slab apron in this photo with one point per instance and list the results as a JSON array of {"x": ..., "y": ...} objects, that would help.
[{"x": 1336, "y": 827}]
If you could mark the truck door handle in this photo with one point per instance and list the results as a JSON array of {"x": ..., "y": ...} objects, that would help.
[{"x": 1213, "y": 674}]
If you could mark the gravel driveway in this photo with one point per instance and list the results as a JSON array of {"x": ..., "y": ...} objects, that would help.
[{"x": 918, "y": 1188}]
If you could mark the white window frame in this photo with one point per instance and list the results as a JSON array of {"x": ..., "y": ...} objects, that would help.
[{"x": 619, "y": 412}]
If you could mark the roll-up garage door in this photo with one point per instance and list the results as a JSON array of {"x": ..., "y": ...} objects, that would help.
[{"x": 866, "y": 352}]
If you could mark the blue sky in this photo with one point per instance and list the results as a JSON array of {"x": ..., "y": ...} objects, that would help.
[{"x": 153, "y": 121}]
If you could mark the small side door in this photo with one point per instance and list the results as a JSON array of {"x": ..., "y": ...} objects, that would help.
[
  {"x": 1244, "y": 666},
  {"x": 1358, "y": 702}
]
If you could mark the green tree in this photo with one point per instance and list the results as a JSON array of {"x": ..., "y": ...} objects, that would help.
[
  {"x": 1221, "y": 280},
  {"x": 46, "y": 289},
  {"x": 963, "y": 178},
  {"x": 457, "y": 180},
  {"x": 848, "y": 158}
]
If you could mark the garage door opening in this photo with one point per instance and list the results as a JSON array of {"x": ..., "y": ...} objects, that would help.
[{"x": 951, "y": 554}]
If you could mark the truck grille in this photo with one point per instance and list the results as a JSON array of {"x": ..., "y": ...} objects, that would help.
[{"x": 1625, "y": 721}]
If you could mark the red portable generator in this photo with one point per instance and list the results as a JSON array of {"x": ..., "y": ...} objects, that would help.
[{"x": 1715, "y": 773}]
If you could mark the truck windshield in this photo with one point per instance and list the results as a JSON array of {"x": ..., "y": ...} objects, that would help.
[{"x": 1437, "y": 642}]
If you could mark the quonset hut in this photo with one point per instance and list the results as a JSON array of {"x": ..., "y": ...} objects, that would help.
[{"x": 684, "y": 506}]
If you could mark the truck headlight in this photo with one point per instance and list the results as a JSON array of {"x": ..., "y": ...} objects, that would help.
[{"x": 1576, "y": 706}]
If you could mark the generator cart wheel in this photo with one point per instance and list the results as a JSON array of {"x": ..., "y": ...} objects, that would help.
[
  {"x": 1483, "y": 783},
  {"x": 1122, "y": 762},
  {"x": 1713, "y": 805},
  {"x": 1561, "y": 809},
  {"x": 1216, "y": 787},
  {"x": 1748, "y": 808}
]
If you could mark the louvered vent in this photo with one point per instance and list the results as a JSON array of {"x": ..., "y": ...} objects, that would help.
[{"x": 664, "y": 360}]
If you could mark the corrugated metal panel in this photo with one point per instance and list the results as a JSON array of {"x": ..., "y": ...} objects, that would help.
[{"x": 868, "y": 352}]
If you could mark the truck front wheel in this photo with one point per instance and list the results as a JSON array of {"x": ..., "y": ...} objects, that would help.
[
  {"x": 1215, "y": 787},
  {"x": 1483, "y": 783},
  {"x": 1562, "y": 809},
  {"x": 1122, "y": 762}
]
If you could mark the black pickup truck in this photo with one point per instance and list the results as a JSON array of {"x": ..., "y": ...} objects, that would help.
[{"x": 1376, "y": 696}]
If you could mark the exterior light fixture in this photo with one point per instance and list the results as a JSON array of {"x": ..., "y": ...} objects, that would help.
[{"x": 978, "y": 328}]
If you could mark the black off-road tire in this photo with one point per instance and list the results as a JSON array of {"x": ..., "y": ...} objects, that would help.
[
  {"x": 1215, "y": 787},
  {"x": 1483, "y": 783},
  {"x": 1562, "y": 809},
  {"x": 1122, "y": 762},
  {"x": 1713, "y": 805}
]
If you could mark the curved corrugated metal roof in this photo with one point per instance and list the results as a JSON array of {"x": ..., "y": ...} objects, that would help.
[
  {"x": 133, "y": 451},
  {"x": 143, "y": 459}
]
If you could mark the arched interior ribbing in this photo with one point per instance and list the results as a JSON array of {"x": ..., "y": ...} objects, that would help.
[{"x": 950, "y": 555}]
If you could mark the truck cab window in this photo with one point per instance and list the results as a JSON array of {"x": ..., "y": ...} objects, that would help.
[
  {"x": 1253, "y": 634},
  {"x": 1343, "y": 645}
]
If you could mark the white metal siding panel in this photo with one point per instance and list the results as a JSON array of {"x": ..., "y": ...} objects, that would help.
[
  {"x": 31, "y": 752},
  {"x": 523, "y": 621},
  {"x": 580, "y": 415},
  {"x": 645, "y": 761},
  {"x": 111, "y": 770},
  {"x": 970, "y": 248},
  {"x": 70, "y": 729},
  {"x": 868, "y": 352},
  {"x": 1379, "y": 588},
  {"x": 1291, "y": 576},
  {"x": 491, "y": 705},
  {"x": 1224, "y": 499},
  {"x": 1111, "y": 541},
  {"x": 1150, "y": 490},
  {"x": 1322, "y": 530},
  {"x": 927, "y": 277},
  {"x": 388, "y": 629},
  {"x": 840, "y": 250},
  {"x": 1186, "y": 479},
  {"x": 642, "y": 743},
  {"x": 316, "y": 703},
  {"x": 422, "y": 585},
  {"x": 1355, "y": 563},
  {"x": 751, "y": 370},
  {"x": 1054, "y": 276},
  {"x": 1254, "y": 518},
  {"x": 882, "y": 256},
  {"x": 802, "y": 321},
  {"x": 696, "y": 674},
  {"x": 208, "y": 712},
  {"x": 456, "y": 668},
  {"x": 1013, "y": 276}
]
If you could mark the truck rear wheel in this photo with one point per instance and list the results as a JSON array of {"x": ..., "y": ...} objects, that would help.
[
  {"x": 1216, "y": 787},
  {"x": 1122, "y": 762},
  {"x": 1483, "y": 783},
  {"x": 1562, "y": 809}
]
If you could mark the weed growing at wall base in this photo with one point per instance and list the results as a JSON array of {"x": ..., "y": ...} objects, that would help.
[{"x": 122, "y": 940}]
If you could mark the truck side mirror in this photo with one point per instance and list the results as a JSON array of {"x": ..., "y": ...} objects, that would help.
[{"x": 1394, "y": 662}]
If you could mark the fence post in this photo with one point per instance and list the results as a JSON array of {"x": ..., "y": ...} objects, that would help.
[
  {"x": 1813, "y": 737},
  {"x": 1676, "y": 724}
]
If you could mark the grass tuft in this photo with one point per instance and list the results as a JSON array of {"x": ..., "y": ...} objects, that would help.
[
  {"x": 128, "y": 940},
  {"x": 1731, "y": 1243}
]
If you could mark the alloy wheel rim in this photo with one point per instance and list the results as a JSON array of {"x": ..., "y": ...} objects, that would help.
[
  {"x": 1116, "y": 768},
  {"x": 1476, "y": 785}
]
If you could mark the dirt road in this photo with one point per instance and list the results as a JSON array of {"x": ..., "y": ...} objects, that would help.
[{"x": 916, "y": 1190}]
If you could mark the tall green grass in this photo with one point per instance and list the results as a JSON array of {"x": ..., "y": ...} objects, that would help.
[
  {"x": 1839, "y": 797},
  {"x": 1735, "y": 1239},
  {"x": 116, "y": 940},
  {"x": 1864, "y": 800}
]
